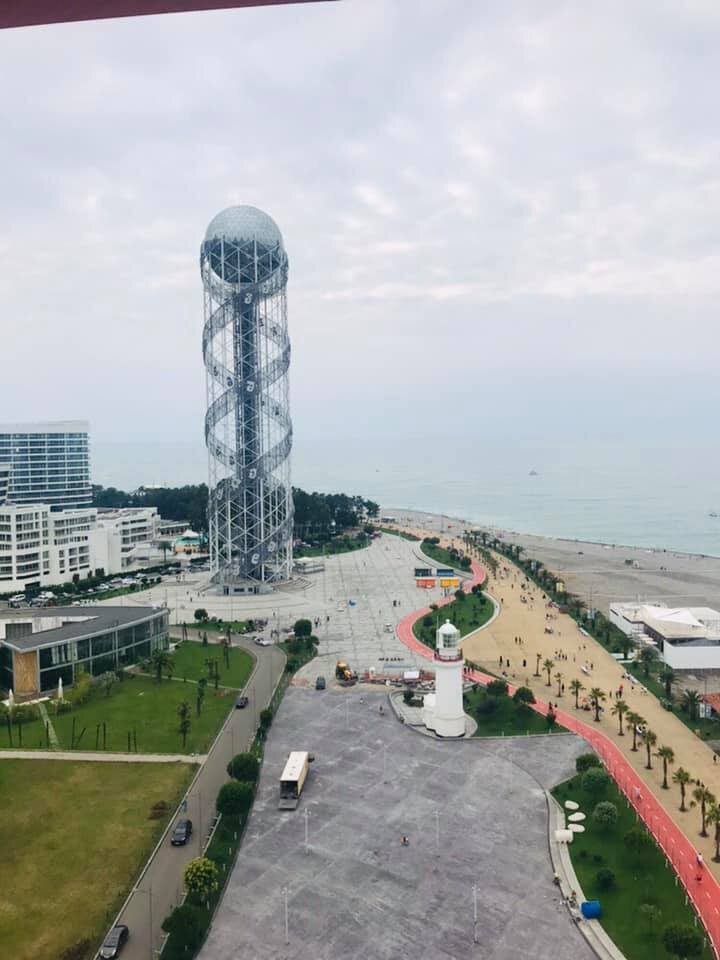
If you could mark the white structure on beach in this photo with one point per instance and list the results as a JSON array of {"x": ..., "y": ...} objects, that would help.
[
  {"x": 687, "y": 638},
  {"x": 443, "y": 710}
]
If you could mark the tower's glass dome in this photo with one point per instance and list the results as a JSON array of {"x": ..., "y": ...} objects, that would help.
[{"x": 244, "y": 223}]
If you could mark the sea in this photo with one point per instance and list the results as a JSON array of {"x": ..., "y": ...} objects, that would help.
[{"x": 614, "y": 492}]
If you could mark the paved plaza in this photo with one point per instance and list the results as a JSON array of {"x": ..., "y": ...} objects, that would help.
[
  {"x": 474, "y": 811},
  {"x": 356, "y": 590}
]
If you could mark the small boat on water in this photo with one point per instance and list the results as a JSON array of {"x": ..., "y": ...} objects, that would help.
[
  {"x": 714, "y": 514},
  {"x": 533, "y": 473}
]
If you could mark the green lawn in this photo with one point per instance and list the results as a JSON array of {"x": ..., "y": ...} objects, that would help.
[
  {"x": 467, "y": 615},
  {"x": 338, "y": 545},
  {"x": 508, "y": 719},
  {"x": 442, "y": 556},
  {"x": 138, "y": 705},
  {"x": 189, "y": 663},
  {"x": 639, "y": 880},
  {"x": 399, "y": 533},
  {"x": 218, "y": 626},
  {"x": 74, "y": 839}
]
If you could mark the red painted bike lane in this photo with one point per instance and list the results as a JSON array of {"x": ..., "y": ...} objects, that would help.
[{"x": 700, "y": 885}]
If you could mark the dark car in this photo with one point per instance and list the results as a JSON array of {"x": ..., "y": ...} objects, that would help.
[
  {"x": 320, "y": 683},
  {"x": 182, "y": 833},
  {"x": 114, "y": 942},
  {"x": 241, "y": 703}
]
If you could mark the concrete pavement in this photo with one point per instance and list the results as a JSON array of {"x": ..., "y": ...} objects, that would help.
[{"x": 159, "y": 887}]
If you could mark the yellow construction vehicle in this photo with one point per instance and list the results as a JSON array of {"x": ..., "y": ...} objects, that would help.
[{"x": 344, "y": 674}]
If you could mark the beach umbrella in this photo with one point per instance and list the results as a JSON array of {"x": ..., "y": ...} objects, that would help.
[
  {"x": 571, "y": 805},
  {"x": 576, "y": 817},
  {"x": 576, "y": 828}
]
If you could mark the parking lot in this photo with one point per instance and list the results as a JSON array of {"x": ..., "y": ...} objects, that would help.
[{"x": 474, "y": 812}]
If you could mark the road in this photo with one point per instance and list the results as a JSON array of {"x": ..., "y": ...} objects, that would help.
[{"x": 159, "y": 887}]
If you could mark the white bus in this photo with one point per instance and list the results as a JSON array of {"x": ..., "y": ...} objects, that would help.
[{"x": 293, "y": 779}]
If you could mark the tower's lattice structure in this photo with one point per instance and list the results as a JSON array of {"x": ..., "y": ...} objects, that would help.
[{"x": 248, "y": 430}]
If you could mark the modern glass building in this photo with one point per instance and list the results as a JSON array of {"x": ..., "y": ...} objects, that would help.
[
  {"x": 40, "y": 647},
  {"x": 49, "y": 463}
]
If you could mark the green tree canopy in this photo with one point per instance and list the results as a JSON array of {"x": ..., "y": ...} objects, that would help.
[
  {"x": 201, "y": 877},
  {"x": 245, "y": 767},
  {"x": 594, "y": 781},
  {"x": 234, "y": 799},
  {"x": 186, "y": 924},
  {"x": 682, "y": 940}
]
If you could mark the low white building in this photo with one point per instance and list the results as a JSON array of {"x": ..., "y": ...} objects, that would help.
[{"x": 687, "y": 638}]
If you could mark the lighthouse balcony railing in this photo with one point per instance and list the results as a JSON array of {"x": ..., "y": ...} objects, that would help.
[{"x": 448, "y": 656}]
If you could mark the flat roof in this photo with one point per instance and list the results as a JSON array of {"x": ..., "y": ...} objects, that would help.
[
  {"x": 294, "y": 766},
  {"x": 80, "y": 622},
  {"x": 49, "y": 426}
]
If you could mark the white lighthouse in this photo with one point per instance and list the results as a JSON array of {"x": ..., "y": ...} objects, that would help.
[{"x": 443, "y": 710}]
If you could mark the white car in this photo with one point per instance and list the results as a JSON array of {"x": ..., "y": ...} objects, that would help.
[{"x": 263, "y": 642}]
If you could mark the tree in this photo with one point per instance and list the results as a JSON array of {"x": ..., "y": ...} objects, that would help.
[
  {"x": 668, "y": 678},
  {"x": 201, "y": 615},
  {"x": 605, "y": 815},
  {"x": 651, "y": 913},
  {"x": 559, "y": 677},
  {"x": 691, "y": 702},
  {"x": 594, "y": 781},
  {"x": 497, "y": 688},
  {"x": 605, "y": 879},
  {"x": 713, "y": 817},
  {"x": 538, "y": 658},
  {"x": 107, "y": 680},
  {"x": 524, "y": 697},
  {"x": 234, "y": 799},
  {"x": 183, "y": 712},
  {"x": 266, "y": 717},
  {"x": 245, "y": 767},
  {"x": 201, "y": 877},
  {"x": 81, "y": 688},
  {"x": 648, "y": 656},
  {"x": 619, "y": 709},
  {"x": 649, "y": 739},
  {"x": 682, "y": 941},
  {"x": 596, "y": 698},
  {"x": 160, "y": 660},
  {"x": 587, "y": 760},
  {"x": 636, "y": 722},
  {"x": 667, "y": 755},
  {"x": 186, "y": 924},
  {"x": 164, "y": 545},
  {"x": 637, "y": 840},
  {"x": 576, "y": 687},
  {"x": 702, "y": 797},
  {"x": 682, "y": 778},
  {"x": 302, "y": 628},
  {"x": 548, "y": 667}
]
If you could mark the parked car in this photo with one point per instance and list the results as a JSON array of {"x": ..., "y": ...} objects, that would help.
[
  {"x": 114, "y": 942},
  {"x": 182, "y": 833},
  {"x": 241, "y": 703},
  {"x": 320, "y": 683},
  {"x": 263, "y": 642}
]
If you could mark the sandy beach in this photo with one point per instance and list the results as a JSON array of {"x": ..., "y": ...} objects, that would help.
[{"x": 598, "y": 573}]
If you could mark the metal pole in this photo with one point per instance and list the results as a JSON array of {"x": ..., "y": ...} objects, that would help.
[
  {"x": 287, "y": 932},
  {"x": 306, "y": 811},
  {"x": 151, "y": 920}
]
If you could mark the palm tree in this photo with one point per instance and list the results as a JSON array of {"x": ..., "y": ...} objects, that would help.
[
  {"x": 596, "y": 698},
  {"x": 648, "y": 656},
  {"x": 691, "y": 702},
  {"x": 558, "y": 677},
  {"x": 702, "y": 797},
  {"x": 667, "y": 755},
  {"x": 576, "y": 687},
  {"x": 668, "y": 678},
  {"x": 619, "y": 710},
  {"x": 682, "y": 778},
  {"x": 160, "y": 660},
  {"x": 548, "y": 665},
  {"x": 650, "y": 740},
  {"x": 538, "y": 658},
  {"x": 183, "y": 711},
  {"x": 713, "y": 816},
  {"x": 635, "y": 721}
]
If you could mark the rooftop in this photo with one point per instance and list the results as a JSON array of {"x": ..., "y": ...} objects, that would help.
[{"x": 53, "y": 625}]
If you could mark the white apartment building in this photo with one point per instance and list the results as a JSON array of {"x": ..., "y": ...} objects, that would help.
[
  {"x": 687, "y": 638},
  {"x": 49, "y": 463},
  {"x": 40, "y": 547}
]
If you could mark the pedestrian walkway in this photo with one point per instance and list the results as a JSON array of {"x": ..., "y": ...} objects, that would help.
[
  {"x": 97, "y": 757},
  {"x": 47, "y": 722}
]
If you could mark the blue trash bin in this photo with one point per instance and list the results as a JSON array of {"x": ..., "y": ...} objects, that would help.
[{"x": 591, "y": 910}]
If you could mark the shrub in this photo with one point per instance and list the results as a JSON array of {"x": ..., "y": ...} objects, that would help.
[
  {"x": 187, "y": 924},
  {"x": 245, "y": 767},
  {"x": 201, "y": 615},
  {"x": 497, "y": 688},
  {"x": 427, "y": 621},
  {"x": 605, "y": 815},
  {"x": 524, "y": 696},
  {"x": 21, "y": 714},
  {"x": 234, "y": 799},
  {"x": 598, "y": 858},
  {"x": 61, "y": 706},
  {"x": 302, "y": 628},
  {"x": 81, "y": 688},
  {"x": 681, "y": 940},
  {"x": 605, "y": 879},
  {"x": 408, "y": 695},
  {"x": 594, "y": 781},
  {"x": 487, "y": 706},
  {"x": 637, "y": 840},
  {"x": 266, "y": 718},
  {"x": 78, "y": 951},
  {"x": 200, "y": 877},
  {"x": 158, "y": 810},
  {"x": 587, "y": 760}
]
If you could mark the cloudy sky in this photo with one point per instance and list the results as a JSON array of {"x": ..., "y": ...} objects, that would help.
[{"x": 495, "y": 213}]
